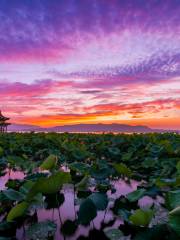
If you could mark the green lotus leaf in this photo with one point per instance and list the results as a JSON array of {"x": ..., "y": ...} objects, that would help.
[
  {"x": 54, "y": 200},
  {"x": 100, "y": 200},
  {"x": 173, "y": 199},
  {"x": 165, "y": 182},
  {"x": 174, "y": 220},
  {"x": 69, "y": 227},
  {"x": 141, "y": 217},
  {"x": 17, "y": 211},
  {"x": 124, "y": 214},
  {"x": 13, "y": 195},
  {"x": 49, "y": 185},
  {"x": 101, "y": 173},
  {"x": 83, "y": 184},
  {"x": 157, "y": 232},
  {"x": 24, "y": 189},
  {"x": 87, "y": 212},
  {"x": 122, "y": 169},
  {"x": 114, "y": 151},
  {"x": 1, "y": 151},
  {"x": 80, "y": 167},
  {"x": 113, "y": 234},
  {"x": 42, "y": 230},
  {"x": 136, "y": 195},
  {"x": 49, "y": 163},
  {"x": 127, "y": 156},
  {"x": 178, "y": 167}
]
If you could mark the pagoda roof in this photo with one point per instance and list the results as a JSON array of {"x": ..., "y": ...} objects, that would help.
[{"x": 3, "y": 118}]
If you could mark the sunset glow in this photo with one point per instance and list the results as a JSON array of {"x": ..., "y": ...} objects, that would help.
[{"x": 90, "y": 61}]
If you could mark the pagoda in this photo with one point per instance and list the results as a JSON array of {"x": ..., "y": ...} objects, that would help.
[{"x": 3, "y": 123}]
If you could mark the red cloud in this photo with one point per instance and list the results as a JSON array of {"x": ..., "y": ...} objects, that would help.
[{"x": 152, "y": 106}]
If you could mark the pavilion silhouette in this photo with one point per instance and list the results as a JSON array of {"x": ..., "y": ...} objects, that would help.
[{"x": 3, "y": 123}]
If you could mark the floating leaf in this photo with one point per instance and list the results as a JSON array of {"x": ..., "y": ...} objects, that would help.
[
  {"x": 149, "y": 162},
  {"x": 114, "y": 151},
  {"x": 165, "y": 182},
  {"x": 141, "y": 217},
  {"x": 1, "y": 151},
  {"x": 83, "y": 193},
  {"x": 101, "y": 173},
  {"x": 174, "y": 220},
  {"x": 49, "y": 185},
  {"x": 152, "y": 191},
  {"x": 155, "y": 233},
  {"x": 103, "y": 187},
  {"x": 136, "y": 195},
  {"x": 83, "y": 184},
  {"x": 178, "y": 167},
  {"x": 14, "y": 195},
  {"x": 124, "y": 214},
  {"x": 123, "y": 203},
  {"x": 42, "y": 230},
  {"x": 13, "y": 184},
  {"x": 69, "y": 227},
  {"x": 100, "y": 200},
  {"x": 113, "y": 234},
  {"x": 35, "y": 176},
  {"x": 87, "y": 212},
  {"x": 24, "y": 189},
  {"x": 49, "y": 163},
  {"x": 127, "y": 156},
  {"x": 7, "y": 229},
  {"x": 54, "y": 200},
  {"x": 17, "y": 211},
  {"x": 80, "y": 167},
  {"x": 173, "y": 199},
  {"x": 122, "y": 169}
]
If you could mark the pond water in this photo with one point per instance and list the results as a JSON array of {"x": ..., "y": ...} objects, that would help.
[
  {"x": 10, "y": 174},
  {"x": 67, "y": 211}
]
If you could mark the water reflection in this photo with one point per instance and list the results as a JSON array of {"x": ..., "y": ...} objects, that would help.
[
  {"x": 68, "y": 211},
  {"x": 10, "y": 174}
]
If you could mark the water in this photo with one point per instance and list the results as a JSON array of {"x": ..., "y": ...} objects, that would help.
[
  {"x": 67, "y": 210},
  {"x": 10, "y": 174}
]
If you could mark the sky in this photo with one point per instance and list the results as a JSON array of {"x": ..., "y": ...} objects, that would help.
[{"x": 90, "y": 61}]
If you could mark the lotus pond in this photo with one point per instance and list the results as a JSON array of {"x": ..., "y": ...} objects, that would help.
[{"x": 89, "y": 186}]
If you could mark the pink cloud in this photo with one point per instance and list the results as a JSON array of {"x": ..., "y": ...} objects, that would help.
[{"x": 38, "y": 88}]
